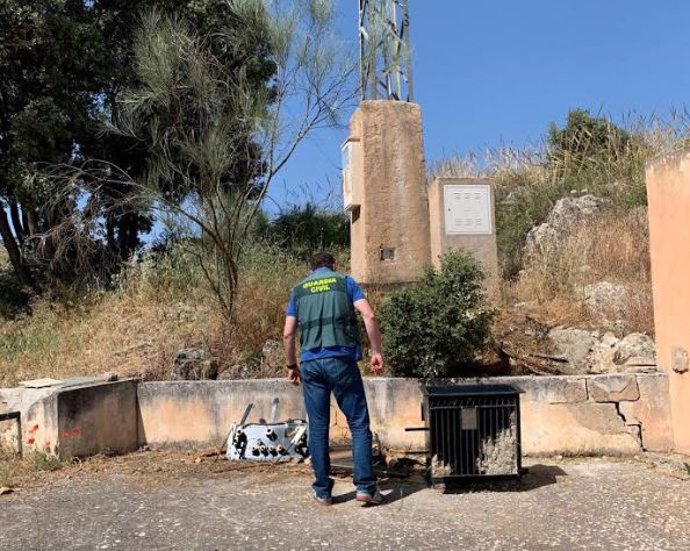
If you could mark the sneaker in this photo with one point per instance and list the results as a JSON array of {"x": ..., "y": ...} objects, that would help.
[
  {"x": 366, "y": 499},
  {"x": 325, "y": 501}
]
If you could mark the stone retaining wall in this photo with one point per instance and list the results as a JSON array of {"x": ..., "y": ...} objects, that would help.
[
  {"x": 606, "y": 414},
  {"x": 599, "y": 414},
  {"x": 576, "y": 415}
]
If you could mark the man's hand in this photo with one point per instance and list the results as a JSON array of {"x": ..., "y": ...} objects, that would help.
[
  {"x": 377, "y": 363},
  {"x": 294, "y": 376},
  {"x": 374, "y": 333}
]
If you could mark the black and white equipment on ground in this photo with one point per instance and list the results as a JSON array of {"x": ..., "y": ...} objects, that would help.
[{"x": 268, "y": 441}]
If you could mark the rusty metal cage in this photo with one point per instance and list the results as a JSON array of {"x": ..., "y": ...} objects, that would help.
[{"x": 473, "y": 431}]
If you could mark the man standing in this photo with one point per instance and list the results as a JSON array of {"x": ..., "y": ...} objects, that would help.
[{"x": 324, "y": 306}]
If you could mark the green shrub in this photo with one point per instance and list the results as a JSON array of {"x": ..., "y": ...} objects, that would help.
[
  {"x": 588, "y": 155},
  {"x": 435, "y": 329},
  {"x": 518, "y": 213},
  {"x": 43, "y": 461},
  {"x": 586, "y": 139},
  {"x": 305, "y": 230}
]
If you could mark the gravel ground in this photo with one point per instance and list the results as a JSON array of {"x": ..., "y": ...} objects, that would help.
[{"x": 163, "y": 501}]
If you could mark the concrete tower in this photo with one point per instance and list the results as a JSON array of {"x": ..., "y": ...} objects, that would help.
[{"x": 384, "y": 178}]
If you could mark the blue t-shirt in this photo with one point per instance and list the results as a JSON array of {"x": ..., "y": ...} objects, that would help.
[{"x": 354, "y": 293}]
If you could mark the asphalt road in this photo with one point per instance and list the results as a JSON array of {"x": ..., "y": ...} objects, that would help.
[{"x": 577, "y": 504}]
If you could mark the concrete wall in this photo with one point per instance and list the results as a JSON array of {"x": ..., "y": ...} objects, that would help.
[
  {"x": 77, "y": 421},
  {"x": 601, "y": 414},
  {"x": 616, "y": 414},
  {"x": 668, "y": 191},
  {"x": 38, "y": 419},
  {"x": 194, "y": 412},
  {"x": 191, "y": 413},
  {"x": 482, "y": 247},
  {"x": 98, "y": 419},
  {"x": 391, "y": 185}
]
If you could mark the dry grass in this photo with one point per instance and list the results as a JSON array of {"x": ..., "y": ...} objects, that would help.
[
  {"x": 128, "y": 334},
  {"x": 261, "y": 303},
  {"x": 160, "y": 308},
  {"x": 528, "y": 182},
  {"x": 612, "y": 247},
  {"x": 162, "y": 305},
  {"x": 146, "y": 469},
  {"x": 16, "y": 471},
  {"x": 11, "y": 468}
]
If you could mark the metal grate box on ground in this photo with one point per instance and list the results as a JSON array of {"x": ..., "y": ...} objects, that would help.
[{"x": 473, "y": 431}]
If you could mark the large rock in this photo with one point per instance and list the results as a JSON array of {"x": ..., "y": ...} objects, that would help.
[
  {"x": 575, "y": 345},
  {"x": 603, "y": 354},
  {"x": 240, "y": 371},
  {"x": 606, "y": 301},
  {"x": 194, "y": 364},
  {"x": 565, "y": 214},
  {"x": 635, "y": 349},
  {"x": 594, "y": 353}
]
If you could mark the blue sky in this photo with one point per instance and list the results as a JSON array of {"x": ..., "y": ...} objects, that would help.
[{"x": 497, "y": 72}]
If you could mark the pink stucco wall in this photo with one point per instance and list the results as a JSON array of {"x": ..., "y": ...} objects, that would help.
[{"x": 668, "y": 189}]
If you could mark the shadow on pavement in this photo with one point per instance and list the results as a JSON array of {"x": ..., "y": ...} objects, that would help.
[
  {"x": 393, "y": 489},
  {"x": 396, "y": 482},
  {"x": 536, "y": 476},
  {"x": 406, "y": 478}
]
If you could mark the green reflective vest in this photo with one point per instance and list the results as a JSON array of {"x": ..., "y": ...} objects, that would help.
[{"x": 325, "y": 313}]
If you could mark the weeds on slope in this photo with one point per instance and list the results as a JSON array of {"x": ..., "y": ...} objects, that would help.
[
  {"x": 160, "y": 306},
  {"x": 589, "y": 155}
]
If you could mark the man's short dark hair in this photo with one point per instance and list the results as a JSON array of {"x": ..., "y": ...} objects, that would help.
[{"x": 323, "y": 260}]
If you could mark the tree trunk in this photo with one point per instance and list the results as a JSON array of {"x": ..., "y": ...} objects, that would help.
[
  {"x": 128, "y": 235},
  {"x": 110, "y": 234},
  {"x": 12, "y": 248},
  {"x": 17, "y": 222},
  {"x": 25, "y": 222},
  {"x": 31, "y": 224}
]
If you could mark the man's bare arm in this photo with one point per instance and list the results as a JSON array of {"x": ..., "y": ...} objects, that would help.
[
  {"x": 374, "y": 333},
  {"x": 289, "y": 347},
  {"x": 289, "y": 339}
]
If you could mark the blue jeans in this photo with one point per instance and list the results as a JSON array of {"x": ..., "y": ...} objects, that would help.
[{"x": 342, "y": 377}]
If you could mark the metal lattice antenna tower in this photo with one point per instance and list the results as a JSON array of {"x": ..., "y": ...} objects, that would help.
[{"x": 385, "y": 50}]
